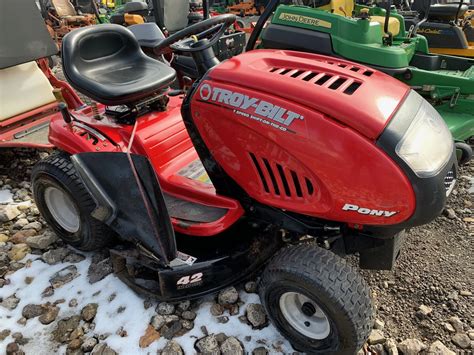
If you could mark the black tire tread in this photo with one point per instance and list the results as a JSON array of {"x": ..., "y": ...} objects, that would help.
[
  {"x": 59, "y": 167},
  {"x": 340, "y": 281}
]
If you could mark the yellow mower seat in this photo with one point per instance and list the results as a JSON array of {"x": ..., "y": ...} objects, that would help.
[
  {"x": 339, "y": 7},
  {"x": 23, "y": 88},
  {"x": 393, "y": 24}
]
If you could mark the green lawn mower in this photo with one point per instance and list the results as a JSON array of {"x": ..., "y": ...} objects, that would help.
[{"x": 378, "y": 38}]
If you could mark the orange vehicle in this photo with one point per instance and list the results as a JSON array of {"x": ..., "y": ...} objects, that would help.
[{"x": 247, "y": 8}]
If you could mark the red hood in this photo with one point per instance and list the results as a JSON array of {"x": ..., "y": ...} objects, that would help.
[{"x": 355, "y": 95}]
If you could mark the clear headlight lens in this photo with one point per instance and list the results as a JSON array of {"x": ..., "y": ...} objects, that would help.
[{"x": 427, "y": 145}]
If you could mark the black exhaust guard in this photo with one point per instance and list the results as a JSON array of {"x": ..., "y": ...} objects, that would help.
[{"x": 132, "y": 205}]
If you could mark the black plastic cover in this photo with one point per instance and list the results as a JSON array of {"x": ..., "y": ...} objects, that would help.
[
  {"x": 135, "y": 210},
  {"x": 23, "y": 33}
]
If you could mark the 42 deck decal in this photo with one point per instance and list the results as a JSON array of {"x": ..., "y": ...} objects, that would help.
[{"x": 250, "y": 107}]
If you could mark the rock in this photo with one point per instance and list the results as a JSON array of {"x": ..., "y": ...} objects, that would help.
[
  {"x": 228, "y": 296},
  {"x": 188, "y": 315},
  {"x": 103, "y": 349},
  {"x": 411, "y": 346},
  {"x": 55, "y": 256},
  {"x": 64, "y": 327},
  {"x": 4, "y": 260},
  {"x": 221, "y": 337},
  {"x": 74, "y": 258},
  {"x": 423, "y": 311},
  {"x": 10, "y": 302},
  {"x": 42, "y": 241},
  {"x": 73, "y": 303},
  {"x": 74, "y": 344},
  {"x": 158, "y": 321},
  {"x": 184, "y": 306},
  {"x": 256, "y": 315},
  {"x": 14, "y": 349},
  {"x": 449, "y": 327},
  {"x": 3, "y": 238},
  {"x": 251, "y": 287},
  {"x": 172, "y": 348},
  {"x": 149, "y": 337},
  {"x": 187, "y": 324},
  {"x": 165, "y": 308},
  {"x": 449, "y": 213},
  {"x": 47, "y": 292},
  {"x": 18, "y": 252},
  {"x": 49, "y": 315},
  {"x": 8, "y": 213},
  {"x": 64, "y": 276},
  {"x": 377, "y": 349},
  {"x": 379, "y": 324},
  {"x": 4, "y": 333},
  {"x": 465, "y": 293},
  {"x": 29, "y": 280},
  {"x": 470, "y": 334},
  {"x": 457, "y": 324},
  {"x": 391, "y": 347},
  {"x": 231, "y": 346},
  {"x": 99, "y": 270},
  {"x": 438, "y": 348},
  {"x": 88, "y": 344},
  {"x": 217, "y": 309},
  {"x": 37, "y": 226},
  {"x": 222, "y": 319},
  {"x": 77, "y": 333},
  {"x": 21, "y": 236},
  {"x": 169, "y": 330},
  {"x": 260, "y": 351},
  {"x": 20, "y": 223},
  {"x": 376, "y": 337},
  {"x": 461, "y": 340},
  {"x": 32, "y": 311},
  {"x": 208, "y": 345},
  {"x": 89, "y": 311}
]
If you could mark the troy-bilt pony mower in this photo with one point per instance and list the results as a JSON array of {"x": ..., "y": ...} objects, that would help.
[
  {"x": 271, "y": 158},
  {"x": 375, "y": 37}
]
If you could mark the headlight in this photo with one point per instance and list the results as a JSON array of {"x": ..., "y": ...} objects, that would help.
[{"x": 427, "y": 144}]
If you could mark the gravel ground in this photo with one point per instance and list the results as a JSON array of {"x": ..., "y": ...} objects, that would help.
[{"x": 424, "y": 306}]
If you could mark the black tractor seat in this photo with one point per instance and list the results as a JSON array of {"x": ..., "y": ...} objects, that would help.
[
  {"x": 106, "y": 63},
  {"x": 446, "y": 12}
]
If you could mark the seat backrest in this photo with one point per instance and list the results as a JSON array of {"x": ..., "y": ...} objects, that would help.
[
  {"x": 23, "y": 88},
  {"x": 64, "y": 8}
]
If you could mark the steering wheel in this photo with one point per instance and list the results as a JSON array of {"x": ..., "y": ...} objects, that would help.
[{"x": 183, "y": 40}]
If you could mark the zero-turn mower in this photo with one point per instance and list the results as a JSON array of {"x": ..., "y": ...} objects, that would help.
[
  {"x": 375, "y": 37},
  {"x": 272, "y": 159},
  {"x": 447, "y": 27}
]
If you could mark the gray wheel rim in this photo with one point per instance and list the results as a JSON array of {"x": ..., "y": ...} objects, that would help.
[
  {"x": 62, "y": 209},
  {"x": 304, "y": 315}
]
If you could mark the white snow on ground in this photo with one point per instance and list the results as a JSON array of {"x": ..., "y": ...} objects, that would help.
[
  {"x": 6, "y": 196},
  {"x": 134, "y": 319}
]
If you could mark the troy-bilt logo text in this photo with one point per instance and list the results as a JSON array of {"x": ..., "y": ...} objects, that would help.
[
  {"x": 368, "y": 211},
  {"x": 240, "y": 101}
]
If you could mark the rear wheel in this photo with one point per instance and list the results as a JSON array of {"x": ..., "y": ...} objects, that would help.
[
  {"x": 317, "y": 301},
  {"x": 66, "y": 205}
]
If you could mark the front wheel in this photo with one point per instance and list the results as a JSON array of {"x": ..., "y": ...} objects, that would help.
[{"x": 317, "y": 301}]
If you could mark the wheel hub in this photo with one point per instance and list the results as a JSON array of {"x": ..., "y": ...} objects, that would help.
[
  {"x": 304, "y": 315},
  {"x": 62, "y": 209}
]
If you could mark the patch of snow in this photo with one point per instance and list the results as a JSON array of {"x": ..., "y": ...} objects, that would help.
[
  {"x": 134, "y": 318},
  {"x": 6, "y": 196}
]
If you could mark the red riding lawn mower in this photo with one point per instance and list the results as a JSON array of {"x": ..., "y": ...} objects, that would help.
[{"x": 256, "y": 166}]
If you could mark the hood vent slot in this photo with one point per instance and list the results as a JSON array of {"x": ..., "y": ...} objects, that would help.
[
  {"x": 333, "y": 82},
  {"x": 278, "y": 181}
]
